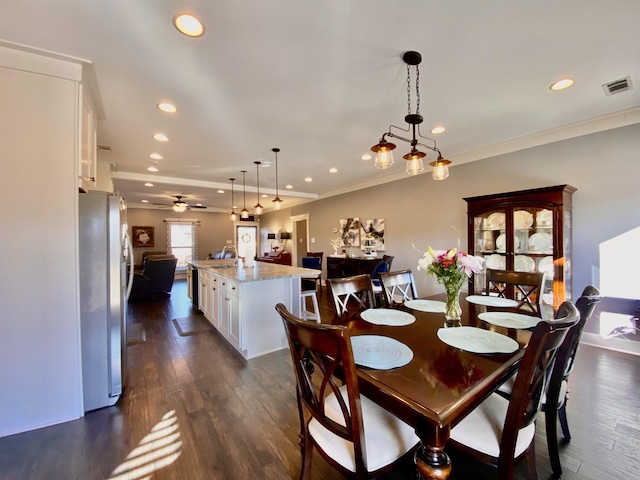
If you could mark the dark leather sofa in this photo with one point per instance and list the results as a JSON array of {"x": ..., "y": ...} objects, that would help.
[
  {"x": 282, "y": 258},
  {"x": 156, "y": 276}
]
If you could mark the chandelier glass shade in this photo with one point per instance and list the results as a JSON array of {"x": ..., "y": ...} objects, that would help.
[
  {"x": 233, "y": 216},
  {"x": 277, "y": 201},
  {"x": 257, "y": 206},
  {"x": 384, "y": 149},
  {"x": 244, "y": 213}
]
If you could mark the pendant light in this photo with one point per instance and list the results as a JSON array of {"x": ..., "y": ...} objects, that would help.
[
  {"x": 244, "y": 213},
  {"x": 277, "y": 200},
  {"x": 257, "y": 206},
  {"x": 233, "y": 216},
  {"x": 384, "y": 149}
]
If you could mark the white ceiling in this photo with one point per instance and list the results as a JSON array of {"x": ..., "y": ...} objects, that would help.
[{"x": 322, "y": 80}]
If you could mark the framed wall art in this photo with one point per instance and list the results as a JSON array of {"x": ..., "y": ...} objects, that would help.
[
  {"x": 350, "y": 232},
  {"x": 142, "y": 237},
  {"x": 373, "y": 229}
]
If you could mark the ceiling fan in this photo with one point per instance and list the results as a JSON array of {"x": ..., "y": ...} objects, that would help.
[{"x": 179, "y": 205}]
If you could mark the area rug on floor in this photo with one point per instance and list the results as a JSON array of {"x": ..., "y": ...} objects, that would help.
[
  {"x": 136, "y": 334},
  {"x": 191, "y": 325}
]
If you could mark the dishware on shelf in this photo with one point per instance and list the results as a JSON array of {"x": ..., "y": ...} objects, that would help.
[
  {"x": 495, "y": 262},
  {"x": 546, "y": 266},
  {"x": 509, "y": 319},
  {"x": 495, "y": 221},
  {"x": 544, "y": 218},
  {"x": 432, "y": 306},
  {"x": 477, "y": 340},
  {"x": 491, "y": 301},
  {"x": 501, "y": 243},
  {"x": 524, "y": 264},
  {"x": 380, "y": 352},
  {"x": 522, "y": 219},
  {"x": 387, "y": 316},
  {"x": 540, "y": 242}
]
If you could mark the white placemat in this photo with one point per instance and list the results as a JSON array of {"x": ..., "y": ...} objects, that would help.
[
  {"x": 477, "y": 340},
  {"x": 509, "y": 319},
  {"x": 387, "y": 316},
  {"x": 381, "y": 353},
  {"x": 490, "y": 301},
  {"x": 432, "y": 306}
]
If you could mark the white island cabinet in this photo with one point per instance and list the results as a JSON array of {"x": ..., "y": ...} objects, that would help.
[{"x": 240, "y": 302}]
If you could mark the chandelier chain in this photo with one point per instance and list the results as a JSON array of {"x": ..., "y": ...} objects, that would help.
[
  {"x": 417, "y": 90},
  {"x": 409, "y": 90}
]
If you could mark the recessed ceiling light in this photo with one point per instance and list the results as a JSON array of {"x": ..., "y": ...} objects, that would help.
[
  {"x": 188, "y": 25},
  {"x": 289, "y": 187},
  {"x": 156, "y": 156},
  {"x": 264, "y": 195},
  {"x": 148, "y": 184},
  {"x": 308, "y": 179},
  {"x": 167, "y": 107},
  {"x": 161, "y": 137},
  {"x": 144, "y": 201},
  {"x": 561, "y": 84},
  {"x": 437, "y": 130},
  {"x": 220, "y": 191},
  {"x": 366, "y": 156},
  {"x": 152, "y": 168},
  {"x": 198, "y": 204},
  {"x": 333, "y": 170}
]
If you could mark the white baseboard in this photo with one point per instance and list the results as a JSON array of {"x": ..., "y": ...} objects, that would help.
[{"x": 618, "y": 344}]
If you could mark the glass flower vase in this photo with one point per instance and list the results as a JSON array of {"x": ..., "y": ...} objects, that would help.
[{"x": 453, "y": 310}]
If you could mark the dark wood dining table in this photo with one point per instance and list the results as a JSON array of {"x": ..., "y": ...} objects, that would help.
[{"x": 441, "y": 384}]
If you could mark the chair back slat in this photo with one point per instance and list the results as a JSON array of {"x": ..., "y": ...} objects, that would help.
[
  {"x": 351, "y": 294},
  {"x": 524, "y": 287},
  {"x": 398, "y": 285}
]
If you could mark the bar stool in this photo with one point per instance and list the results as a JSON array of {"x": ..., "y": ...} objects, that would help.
[{"x": 306, "y": 314}]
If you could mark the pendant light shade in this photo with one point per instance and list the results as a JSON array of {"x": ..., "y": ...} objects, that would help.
[
  {"x": 244, "y": 213},
  {"x": 277, "y": 201},
  {"x": 257, "y": 206},
  {"x": 233, "y": 216},
  {"x": 384, "y": 148}
]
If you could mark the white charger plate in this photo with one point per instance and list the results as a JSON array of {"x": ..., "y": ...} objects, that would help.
[
  {"x": 495, "y": 221},
  {"x": 379, "y": 352},
  {"x": 522, "y": 219},
  {"x": 546, "y": 266},
  {"x": 490, "y": 301},
  {"x": 432, "y": 306},
  {"x": 524, "y": 264},
  {"x": 501, "y": 243},
  {"x": 509, "y": 319},
  {"x": 541, "y": 242},
  {"x": 495, "y": 262},
  {"x": 387, "y": 316},
  {"x": 544, "y": 218},
  {"x": 477, "y": 340}
]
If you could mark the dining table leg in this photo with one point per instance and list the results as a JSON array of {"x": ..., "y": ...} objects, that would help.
[{"x": 430, "y": 458}]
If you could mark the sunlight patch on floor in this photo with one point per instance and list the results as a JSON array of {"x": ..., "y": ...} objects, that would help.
[{"x": 156, "y": 450}]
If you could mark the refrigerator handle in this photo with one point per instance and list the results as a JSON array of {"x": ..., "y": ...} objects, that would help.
[{"x": 131, "y": 274}]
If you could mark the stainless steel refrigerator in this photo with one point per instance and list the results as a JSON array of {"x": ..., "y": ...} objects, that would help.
[{"x": 105, "y": 261}]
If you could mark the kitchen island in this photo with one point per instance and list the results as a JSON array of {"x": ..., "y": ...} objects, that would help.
[{"x": 240, "y": 301}]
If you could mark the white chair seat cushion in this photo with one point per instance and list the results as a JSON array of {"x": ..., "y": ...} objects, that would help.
[
  {"x": 386, "y": 437},
  {"x": 482, "y": 429}
]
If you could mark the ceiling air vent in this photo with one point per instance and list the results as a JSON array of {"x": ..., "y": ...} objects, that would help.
[
  {"x": 104, "y": 148},
  {"x": 618, "y": 86}
]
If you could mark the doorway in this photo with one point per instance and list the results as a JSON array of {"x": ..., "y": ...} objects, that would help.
[{"x": 301, "y": 238}]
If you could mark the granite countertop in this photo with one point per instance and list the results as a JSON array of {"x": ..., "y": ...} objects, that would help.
[{"x": 260, "y": 270}]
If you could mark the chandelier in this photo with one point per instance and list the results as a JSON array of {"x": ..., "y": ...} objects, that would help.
[
  {"x": 277, "y": 200},
  {"x": 233, "y": 216},
  {"x": 384, "y": 149},
  {"x": 257, "y": 206}
]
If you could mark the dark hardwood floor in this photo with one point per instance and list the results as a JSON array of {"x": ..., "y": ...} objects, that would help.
[{"x": 194, "y": 409}]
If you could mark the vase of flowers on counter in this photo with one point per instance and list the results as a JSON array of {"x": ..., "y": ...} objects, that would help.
[
  {"x": 335, "y": 243},
  {"x": 451, "y": 269}
]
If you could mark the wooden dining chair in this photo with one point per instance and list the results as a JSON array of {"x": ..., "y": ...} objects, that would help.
[
  {"x": 353, "y": 434},
  {"x": 558, "y": 385},
  {"x": 350, "y": 294},
  {"x": 501, "y": 432},
  {"x": 398, "y": 286},
  {"x": 524, "y": 287}
]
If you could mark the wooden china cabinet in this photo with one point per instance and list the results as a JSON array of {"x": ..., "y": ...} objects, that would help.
[{"x": 527, "y": 230}]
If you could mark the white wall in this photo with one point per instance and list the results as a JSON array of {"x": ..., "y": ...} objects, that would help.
[{"x": 40, "y": 374}]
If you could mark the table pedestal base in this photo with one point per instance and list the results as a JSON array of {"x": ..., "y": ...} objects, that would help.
[{"x": 432, "y": 463}]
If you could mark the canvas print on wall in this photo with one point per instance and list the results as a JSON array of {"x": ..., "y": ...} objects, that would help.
[
  {"x": 350, "y": 232},
  {"x": 373, "y": 228}
]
